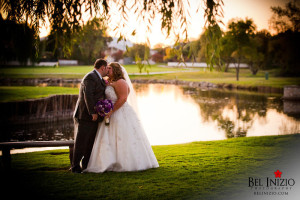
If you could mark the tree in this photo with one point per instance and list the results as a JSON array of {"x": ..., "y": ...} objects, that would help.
[
  {"x": 284, "y": 51},
  {"x": 157, "y": 57},
  {"x": 92, "y": 40},
  {"x": 213, "y": 33},
  {"x": 212, "y": 46},
  {"x": 287, "y": 18},
  {"x": 140, "y": 50},
  {"x": 16, "y": 42},
  {"x": 139, "y": 53},
  {"x": 66, "y": 16},
  {"x": 263, "y": 37},
  {"x": 283, "y": 47},
  {"x": 227, "y": 47},
  {"x": 240, "y": 32},
  {"x": 178, "y": 52},
  {"x": 169, "y": 55},
  {"x": 88, "y": 44},
  {"x": 254, "y": 58},
  {"x": 192, "y": 49}
]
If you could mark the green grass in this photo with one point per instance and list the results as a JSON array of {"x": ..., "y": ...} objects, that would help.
[
  {"x": 198, "y": 170},
  {"x": 77, "y": 72},
  {"x": 67, "y": 71},
  {"x": 246, "y": 78},
  {"x": 19, "y": 93}
]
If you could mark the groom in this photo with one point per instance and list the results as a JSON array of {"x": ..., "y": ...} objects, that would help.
[{"x": 92, "y": 89}]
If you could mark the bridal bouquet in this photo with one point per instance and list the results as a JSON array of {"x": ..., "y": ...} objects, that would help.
[{"x": 103, "y": 107}]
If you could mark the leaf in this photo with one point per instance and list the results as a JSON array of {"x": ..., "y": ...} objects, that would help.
[
  {"x": 133, "y": 33},
  {"x": 120, "y": 38}
]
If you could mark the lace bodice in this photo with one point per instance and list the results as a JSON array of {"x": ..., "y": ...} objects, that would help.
[{"x": 111, "y": 94}]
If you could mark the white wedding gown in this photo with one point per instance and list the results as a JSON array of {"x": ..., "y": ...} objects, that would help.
[{"x": 123, "y": 144}]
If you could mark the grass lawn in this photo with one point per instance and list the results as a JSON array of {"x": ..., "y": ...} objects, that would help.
[
  {"x": 246, "y": 78},
  {"x": 77, "y": 72},
  {"x": 198, "y": 170},
  {"x": 68, "y": 71},
  {"x": 16, "y": 93},
  {"x": 19, "y": 93}
]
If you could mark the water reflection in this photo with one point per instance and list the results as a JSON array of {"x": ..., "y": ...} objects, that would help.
[
  {"x": 60, "y": 130},
  {"x": 170, "y": 116},
  {"x": 173, "y": 114}
]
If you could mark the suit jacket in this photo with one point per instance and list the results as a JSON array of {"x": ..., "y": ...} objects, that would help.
[{"x": 92, "y": 89}]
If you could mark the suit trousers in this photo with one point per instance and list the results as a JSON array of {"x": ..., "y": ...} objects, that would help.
[{"x": 84, "y": 143}]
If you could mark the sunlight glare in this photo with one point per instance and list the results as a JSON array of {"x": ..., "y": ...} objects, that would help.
[{"x": 169, "y": 117}]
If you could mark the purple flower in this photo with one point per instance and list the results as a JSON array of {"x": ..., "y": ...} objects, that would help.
[{"x": 103, "y": 107}]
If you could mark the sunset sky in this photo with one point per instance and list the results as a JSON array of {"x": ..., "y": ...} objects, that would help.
[{"x": 258, "y": 10}]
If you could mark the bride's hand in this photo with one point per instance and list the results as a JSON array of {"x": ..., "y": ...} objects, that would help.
[{"x": 109, "y": 114}]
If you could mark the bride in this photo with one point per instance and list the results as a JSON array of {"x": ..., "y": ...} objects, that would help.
[{"x": 123, "y": 144}]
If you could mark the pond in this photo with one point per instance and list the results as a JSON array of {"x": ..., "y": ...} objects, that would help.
[{"x": 173, "y": 114}]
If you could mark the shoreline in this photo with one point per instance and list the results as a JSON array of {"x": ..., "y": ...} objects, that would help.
[
  {"x": 41, "y": 149},
  {"x": 194, "y": 84},
  {"x": 204, "y": 84}
]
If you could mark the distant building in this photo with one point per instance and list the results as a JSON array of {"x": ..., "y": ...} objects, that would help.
[
  {"x": 202, "y": 64},
  {"x": 114, "y": 46},
  {"x": 121, "y": 45},
  {"x": 68, "y": 62}
]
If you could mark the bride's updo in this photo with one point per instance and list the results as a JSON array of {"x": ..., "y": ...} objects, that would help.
[{"x": 117, "y": 71}]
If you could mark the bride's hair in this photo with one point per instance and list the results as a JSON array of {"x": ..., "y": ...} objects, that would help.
[{"x": 117, "y": 71}]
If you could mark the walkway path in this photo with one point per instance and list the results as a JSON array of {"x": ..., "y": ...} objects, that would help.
[{"x": 164, "y": 72}]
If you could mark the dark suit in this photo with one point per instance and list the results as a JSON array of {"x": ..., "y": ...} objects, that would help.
[{"x": 92, "y": 89}]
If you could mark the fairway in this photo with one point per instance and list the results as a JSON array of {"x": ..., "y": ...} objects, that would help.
[
  {"x": 70, "y": 71},
  {"x": 185, "y": 74},
  {"x": 198, "y": 170},
  {"x": 21, "y": 93}
]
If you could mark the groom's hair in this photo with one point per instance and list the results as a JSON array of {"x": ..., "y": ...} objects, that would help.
[{"x": 99, "y": 63}]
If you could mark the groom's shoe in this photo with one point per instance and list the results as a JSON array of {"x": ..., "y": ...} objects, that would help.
[{"x": 76, "y": 170}]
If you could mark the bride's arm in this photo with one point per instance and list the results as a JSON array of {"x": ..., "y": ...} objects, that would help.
[{"x": 121, "y": 90}]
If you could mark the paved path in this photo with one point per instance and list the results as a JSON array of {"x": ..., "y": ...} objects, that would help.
[{"x": 164, "y": 72}]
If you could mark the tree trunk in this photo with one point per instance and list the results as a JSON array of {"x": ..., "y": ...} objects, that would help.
[
  {"x": 227, "y": 67},
  {"x": 238, "y": 70}
]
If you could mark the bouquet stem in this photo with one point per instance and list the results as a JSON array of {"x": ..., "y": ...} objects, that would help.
[{"x": 106, "y": 119}]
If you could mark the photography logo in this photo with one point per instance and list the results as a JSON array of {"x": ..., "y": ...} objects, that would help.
[{"x": 268, "y": 186}]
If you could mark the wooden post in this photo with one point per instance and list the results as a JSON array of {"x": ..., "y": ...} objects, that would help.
[
  {"x": 6, "y": 158},
  {"x": 71, "y": 148}
]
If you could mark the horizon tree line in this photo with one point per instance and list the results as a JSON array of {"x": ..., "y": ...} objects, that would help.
[{"x": 241, "y": 43}]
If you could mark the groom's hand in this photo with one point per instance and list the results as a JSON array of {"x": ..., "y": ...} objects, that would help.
[{"x": 95, "y": 117}]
